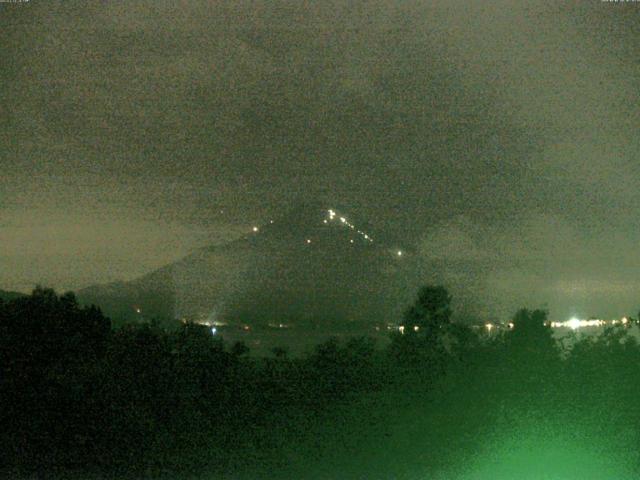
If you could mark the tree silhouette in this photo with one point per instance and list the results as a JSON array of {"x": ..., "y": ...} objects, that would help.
[
  {"x": 426, "y": 325},
  {"x": 431, "y": 311},
  {"x": 43, "y": 328},
  {"x": 531, "y": 332},
  {"x": 532, "y": 355}
]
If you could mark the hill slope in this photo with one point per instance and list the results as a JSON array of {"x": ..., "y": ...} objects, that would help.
[{"x": 311, "y": 265}]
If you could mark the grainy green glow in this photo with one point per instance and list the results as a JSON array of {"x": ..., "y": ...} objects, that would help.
[{"x": 560, "y": 453}]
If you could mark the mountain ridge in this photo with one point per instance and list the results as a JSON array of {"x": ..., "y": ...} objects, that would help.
[{"x": 308, "y": 264}]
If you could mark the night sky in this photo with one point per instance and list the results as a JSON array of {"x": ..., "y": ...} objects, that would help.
[{"x": 498, "y": 140}]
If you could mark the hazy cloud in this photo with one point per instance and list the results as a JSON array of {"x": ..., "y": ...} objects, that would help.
[{"x": 499, "y": 135}]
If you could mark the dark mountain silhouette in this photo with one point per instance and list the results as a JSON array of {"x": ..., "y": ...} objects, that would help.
[{"x": 311, "y": 265}]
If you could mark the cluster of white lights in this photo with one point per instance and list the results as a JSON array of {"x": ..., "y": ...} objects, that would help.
[
  {"x": 345, "y": 222},
  {"x": 402, "y": 328},
  {"x": 490, "y": 327},
  {"x": 575, "y": 323},
  {"x": 279, "y": 325}
]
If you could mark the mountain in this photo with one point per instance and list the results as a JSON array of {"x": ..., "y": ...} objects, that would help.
[{"x": 312, "y": 265}]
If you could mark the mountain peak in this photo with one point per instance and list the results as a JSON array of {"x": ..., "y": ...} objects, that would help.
[
  {"x": 313, "y": 221},
  {"x": 313, "y": 262}
]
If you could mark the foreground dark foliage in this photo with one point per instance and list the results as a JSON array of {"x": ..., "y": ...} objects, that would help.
[{"x": 76, "y": 395}]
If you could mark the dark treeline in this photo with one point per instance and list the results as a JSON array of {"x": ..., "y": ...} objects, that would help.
[{"x": 141, "y": 401}]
